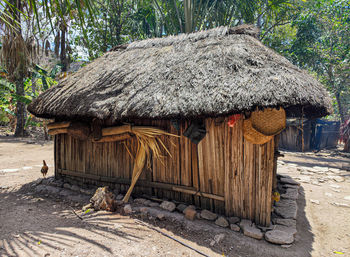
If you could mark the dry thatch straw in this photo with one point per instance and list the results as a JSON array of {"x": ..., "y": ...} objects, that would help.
[{"x": 211, "y": 73}]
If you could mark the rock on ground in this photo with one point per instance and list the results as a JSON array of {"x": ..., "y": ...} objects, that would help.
[
  {"x": 286, "y": 180},
  {"x": 253, "y": 232},
  {"x": 75, "y": 188},
  {"x": 341, "y": 205},
  {"x": 153, "y": 204},
  {"x": 233, "y": 220},
  {"x": 208, "y": 215},
  {"x": 169, "y": 206},
  {"x": 217, "y": 239},
  {"x": 235, "y": 227},
  {"x": 53, "y": 190},
  {"x": 315, "y": 201},
  {"x": 245, "y": 223},
  {"x": 292, "y": 193},
  {"x": 190, "y": 213},
  {"x": 250, "y": 229},
  {"x": 339, "y": 178},
  {"x": 160, "y": 216},
  {"x": 289, "y": 230},
  {"x": 279, "y": 237},
  {"x": 127, "y": 209},
  {"x": 287, "y": 209},
  {"x": 87, "y": 191},
  {"x": 140, "y": 201},
  {"x": 222, "y": 222},
  {"x": 181, "y": 207},
  {"x": 67, "y": 186},
  {"x": 264, "y": 229},
  {"x": 286, "y": 222}
]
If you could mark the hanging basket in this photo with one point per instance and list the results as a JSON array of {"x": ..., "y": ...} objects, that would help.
[
  {"x": 270, "y": 121},
  {"x": 252, "y": 135}
]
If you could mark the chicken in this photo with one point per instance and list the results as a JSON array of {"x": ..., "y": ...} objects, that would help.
[{"x": 44, "y": 169}]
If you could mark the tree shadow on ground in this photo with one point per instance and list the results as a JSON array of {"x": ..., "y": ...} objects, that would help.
[
  {"x": 33, "y": 225},
  {"x": 322, "y": 161},
  {"x": 236, "y": 244}
]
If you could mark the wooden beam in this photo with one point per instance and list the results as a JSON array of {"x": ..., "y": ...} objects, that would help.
[
  {"x": 113, "y": 138},
  {"x": 77, "y": 130},
  {"x": 56, "y": 125},
  {"x": 188, "y": 190},
  {"x": 57, "y": 131},
  {"x": 144, "y": 183},
  {"x": 116, "y": 130}
]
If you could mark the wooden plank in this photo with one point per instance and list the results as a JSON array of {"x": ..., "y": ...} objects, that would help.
[
  {"x": 195, "y": 171},
  {"x": 269, "y": 183},
  {"x": 56, "y": 156},
  {"x": 113, "y": 138},
  {"x": 143, "y": 183},
  {"x": 185, "y": 169}
]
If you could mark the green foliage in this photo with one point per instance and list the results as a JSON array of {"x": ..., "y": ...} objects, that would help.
[
  {"x": 8, "y": 97},
  {"x": 318, "y": 39}
]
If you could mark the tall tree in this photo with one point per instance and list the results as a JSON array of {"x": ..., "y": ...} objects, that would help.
[{"x": 15, "y": 56}]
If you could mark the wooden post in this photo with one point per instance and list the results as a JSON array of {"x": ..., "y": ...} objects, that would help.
[
  {"x": 96, "y": 128},
  {"x": 275, "y": 157}
]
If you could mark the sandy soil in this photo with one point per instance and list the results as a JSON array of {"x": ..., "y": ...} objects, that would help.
[
  {"x": 35, "y": 225},
  {"x": 328, "y": 224}
]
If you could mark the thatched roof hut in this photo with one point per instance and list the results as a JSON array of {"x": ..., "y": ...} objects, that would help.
[
  {"x": 209, "y": 74},
  {"x": 188, "y": 86}
]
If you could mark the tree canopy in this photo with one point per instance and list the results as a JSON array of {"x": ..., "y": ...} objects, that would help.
[{"x": 58, "y": 34}]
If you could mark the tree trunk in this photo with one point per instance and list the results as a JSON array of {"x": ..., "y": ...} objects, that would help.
[
  {"x": 347, "y": 146},
  {"x": 188, "y": 10},
  {"x": 18, "y": 79},
  {"x": 340, "y": 107},
  {"x": 20, "y": 111},
  {"x": 63, "y": 55},
  {"x": 57, "y": 43}
]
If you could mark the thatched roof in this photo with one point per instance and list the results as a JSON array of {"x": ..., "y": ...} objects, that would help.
[{"x": 210, "y": 73}]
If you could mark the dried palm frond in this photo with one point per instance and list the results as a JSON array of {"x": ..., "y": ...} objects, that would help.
[
  {"x": 15, "y": 56},
  {"x": 148, "y": 140}
]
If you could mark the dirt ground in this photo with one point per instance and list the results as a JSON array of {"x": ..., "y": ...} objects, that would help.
[{"x": 35, "y": 225}]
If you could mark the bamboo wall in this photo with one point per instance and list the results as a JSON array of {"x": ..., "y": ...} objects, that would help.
[{"x": 223, "y": 173}]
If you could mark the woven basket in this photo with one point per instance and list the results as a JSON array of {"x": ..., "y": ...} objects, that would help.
[
  {"x": 269, "y": 121},
  {"x": 253, "y": 135}
]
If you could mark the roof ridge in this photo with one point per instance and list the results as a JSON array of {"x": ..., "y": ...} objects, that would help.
[{"x": 246, "y": 29}]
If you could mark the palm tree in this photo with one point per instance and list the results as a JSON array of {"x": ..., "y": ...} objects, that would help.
[{"x": 15, "y": 57}]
